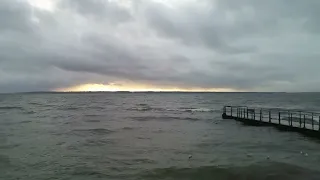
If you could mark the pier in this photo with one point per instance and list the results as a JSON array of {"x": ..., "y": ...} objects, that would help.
[{"x": 303, "y": 122}]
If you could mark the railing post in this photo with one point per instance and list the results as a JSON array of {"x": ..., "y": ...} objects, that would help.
[
  {"x": 304, "y": 121},
  {"x": 300, "y": 119},
  {"x": 269, "y": 116},
  {"x": 291, "y": 119},
  {"x": 247, "y": 114},
  {"x": 254, "y": 114},
  {"x": 243, "y": 114},
  {"x": 312, "y": 122},
  {"x": 279, "y": 117},
  {"x": 237, "y": 112},
  {"x": 260, "y": 114}
]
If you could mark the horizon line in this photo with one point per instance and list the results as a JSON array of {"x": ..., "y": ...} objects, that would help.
[{"x": 74, "y": 92}]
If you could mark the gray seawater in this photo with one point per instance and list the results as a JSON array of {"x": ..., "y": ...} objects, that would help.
[{"x": 135, "y": 136}]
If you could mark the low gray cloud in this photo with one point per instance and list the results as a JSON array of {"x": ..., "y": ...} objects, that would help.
[
  {"x": 101, "y": 9},
  {"x": 244, "y": 45}
]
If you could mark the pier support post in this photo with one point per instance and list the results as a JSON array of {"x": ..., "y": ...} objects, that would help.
[
  {"x": 260, "y": 114},
  {"x": 304, "y": 121}
]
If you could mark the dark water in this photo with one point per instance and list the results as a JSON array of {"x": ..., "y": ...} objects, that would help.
[{"x": 134, "y": 136}]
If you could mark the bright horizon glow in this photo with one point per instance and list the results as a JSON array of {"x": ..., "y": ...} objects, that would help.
[{"x": 136, "y": 88}]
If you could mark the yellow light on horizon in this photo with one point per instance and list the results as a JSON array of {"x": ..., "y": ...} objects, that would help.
[{"x": 136, "y": 88}]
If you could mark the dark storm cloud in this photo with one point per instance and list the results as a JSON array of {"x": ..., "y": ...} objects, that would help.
[
  {"x": 244, "y": 44},
  {"x": 14, "y": 17}
]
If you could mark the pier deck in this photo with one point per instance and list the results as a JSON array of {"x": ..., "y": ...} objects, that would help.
[{"x": 287, "y": 120}]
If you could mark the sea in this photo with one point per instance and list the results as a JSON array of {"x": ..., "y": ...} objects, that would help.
[{"x": 150, "y": 136}]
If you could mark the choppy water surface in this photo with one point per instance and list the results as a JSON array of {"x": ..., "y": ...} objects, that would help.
[{"x": 150, "y": 136}]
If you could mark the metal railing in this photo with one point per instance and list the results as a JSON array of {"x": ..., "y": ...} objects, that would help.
[{"x": 293, "y": 118}]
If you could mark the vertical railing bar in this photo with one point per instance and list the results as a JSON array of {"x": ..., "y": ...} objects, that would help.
[
  {"x": 279, "y": 117},
  {"x": 242, "y": 113},
  {"x": 312, "y": 121},
  {"x": 260, "y": 114},
  {"x": 269, "y": 116},
  {"x": 304, "y": 120},
  {"x": 300, "y": 119},
  {"x": 319, "y": 124},
  {"x": 289, "y": 118}
]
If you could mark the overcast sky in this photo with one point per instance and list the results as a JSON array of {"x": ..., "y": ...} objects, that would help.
[{"x": 247, "y": 45}]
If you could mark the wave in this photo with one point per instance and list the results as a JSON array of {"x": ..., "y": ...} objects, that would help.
[
  {"x": 96, "y": 107},
  {"x": 95, "y": 131},
  {"x": 97, "y": 142},
  {"x": 29, "y": 112},
  {"x": 92, "y": 120},
  {"x": 127, "y": 128},
  {"x": 25, "y": 122},
  {"x": 145, "y": 107},
  {"x": 163, "y": 118},
  {"x": 92, "y": 115},
  {"x": 69, "y": 108},
  {"x": 141, "y": 109},
  {"x": 261, "y": 171},
  {"x": 11, "y": 108},
  {"x": 193, "y": 110},
  {"x": 35, "y": 103}
]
